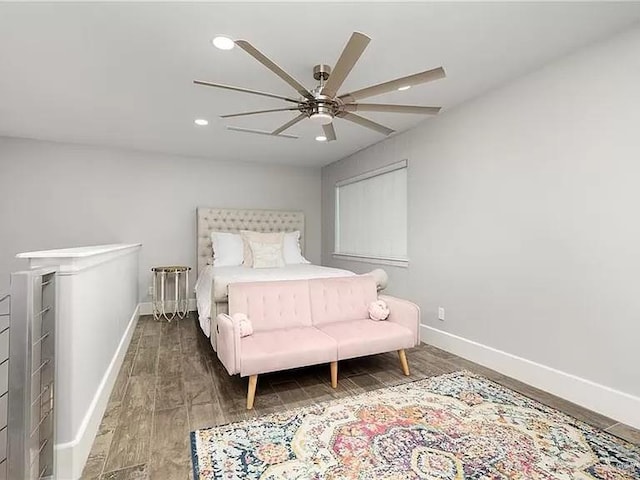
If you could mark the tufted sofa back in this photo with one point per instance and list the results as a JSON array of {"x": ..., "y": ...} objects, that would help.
[
  {"x": 302, "y": 303},
  {"x": 272, "y": 305},
  {"x": 340, "y": 299}
]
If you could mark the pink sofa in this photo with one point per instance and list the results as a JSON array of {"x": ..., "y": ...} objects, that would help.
[{"x": 306, "y": 322}]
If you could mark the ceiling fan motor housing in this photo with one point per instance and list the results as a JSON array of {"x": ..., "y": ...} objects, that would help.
[{"x": 323, "y": 108}]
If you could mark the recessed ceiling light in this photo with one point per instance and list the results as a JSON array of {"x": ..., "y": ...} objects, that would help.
[
  {"x": 201, "y": 122},
  {"x": 406, "y": 87},
  {"x": 321, "y": 138},
  {"x": 223, "y": 43}
]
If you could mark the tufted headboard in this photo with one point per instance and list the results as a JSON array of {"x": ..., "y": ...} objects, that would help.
[{"x": 233, "y": 220}]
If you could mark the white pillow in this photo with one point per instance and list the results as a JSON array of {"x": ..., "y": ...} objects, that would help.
[
  {"x": 266, "y": 255},
  {"x": 228, "y": 249},
  {"x": 291, "y": 249}
]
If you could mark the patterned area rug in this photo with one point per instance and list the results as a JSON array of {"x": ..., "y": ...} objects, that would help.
[{"x": 455, "y": 426}]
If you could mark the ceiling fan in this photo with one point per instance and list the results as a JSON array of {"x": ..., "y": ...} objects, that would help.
[{"x": 323, "y": 103}]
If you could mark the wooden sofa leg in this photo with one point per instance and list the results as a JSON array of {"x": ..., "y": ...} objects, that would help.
[
  {"x": 251, "y": 395},
  {"x": 403, "y": 362},
  {"x": 334, "y": 374}
]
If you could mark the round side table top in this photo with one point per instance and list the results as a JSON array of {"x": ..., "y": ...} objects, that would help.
[{"x": 171, "y": 269}]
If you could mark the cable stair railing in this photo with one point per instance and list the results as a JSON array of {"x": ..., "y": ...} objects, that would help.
[
  {"x": 5, "y": 315},
  {"x": 27, "y": 372}
]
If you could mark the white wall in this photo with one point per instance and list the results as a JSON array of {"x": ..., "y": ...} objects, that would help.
[
  {"x": 523, "y": 215},
  {"x": 60, "y": 195}
]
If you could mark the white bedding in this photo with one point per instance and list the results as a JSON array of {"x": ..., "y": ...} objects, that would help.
[{"x": 219, "y": 279}]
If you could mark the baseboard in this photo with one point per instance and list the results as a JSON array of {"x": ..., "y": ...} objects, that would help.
[
  {"x": 146, "y": 308},
  {"x": 615, "y": 404},
  {"x": 72, "y": 456}
]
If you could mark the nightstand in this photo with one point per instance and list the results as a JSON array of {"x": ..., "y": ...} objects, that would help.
[{"x": 166, "y": 278}]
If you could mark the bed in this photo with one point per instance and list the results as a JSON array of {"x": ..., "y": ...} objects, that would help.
[{"x": 212, "y": 284}]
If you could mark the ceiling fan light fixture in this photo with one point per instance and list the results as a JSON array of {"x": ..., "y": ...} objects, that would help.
[
  {"x": 322, "y": 118},
  {"x": 201, "y": 122},
  {"x": 223, "y": 42},
  {"x": 321, "y": 138},
  {"x": 321, "y": 113},
  {"x": 406, "y": 87}
]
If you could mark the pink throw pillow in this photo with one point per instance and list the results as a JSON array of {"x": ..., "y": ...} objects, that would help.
[
  {"x": 378, "y": 310},
  {"x": 244, "y": 324}
]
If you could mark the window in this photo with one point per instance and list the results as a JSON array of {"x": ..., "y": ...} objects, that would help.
[{"x": 371, "y": 216}]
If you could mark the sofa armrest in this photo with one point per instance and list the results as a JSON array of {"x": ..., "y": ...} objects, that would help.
[
  {"x": 228, "y": 343},
  {"x": 405, "y": 313}
]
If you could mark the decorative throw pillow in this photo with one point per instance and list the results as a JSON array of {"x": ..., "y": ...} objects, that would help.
[
  {"x": 378, "y": 310},
  {"x": 266, "y": 255},
  {"x": 228, "y": 249},
  {"x": 291, "y": 249},
  {"x": 249, "y": 236},
  {"x": 244, "y": 324}
]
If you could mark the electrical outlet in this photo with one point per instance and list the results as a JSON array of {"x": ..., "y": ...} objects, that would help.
[
  {"x": 150, "y": 291},
  {"x": 441, "y": 313}
]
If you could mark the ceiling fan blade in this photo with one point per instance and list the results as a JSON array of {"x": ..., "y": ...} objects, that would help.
[
  {"x": 329, "y": 132},
  {"x": 255, "y": 53},
  {"x": 244, "y": 90},
  {"x": 257, "y": 112},
  {"x": 364, "y": 122},
  {"x": 348, "y": 58},
  {"x": 376, "y": 107},
  {"x": 260, "y": 132},
  {"x": 289, "y": 124},
  {"x": 379, "y": 89}
]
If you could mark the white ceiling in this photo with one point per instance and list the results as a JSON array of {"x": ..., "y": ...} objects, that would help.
[{"x": 121, "y": 74}]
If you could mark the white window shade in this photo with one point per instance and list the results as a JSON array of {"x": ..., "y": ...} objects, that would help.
[{"x": 371, "y": 214}]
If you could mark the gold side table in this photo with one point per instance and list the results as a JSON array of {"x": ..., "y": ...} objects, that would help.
[{"x": 176, "y": 278}]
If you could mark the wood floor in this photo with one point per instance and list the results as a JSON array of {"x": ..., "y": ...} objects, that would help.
[{"x": 172, "y": 383}]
